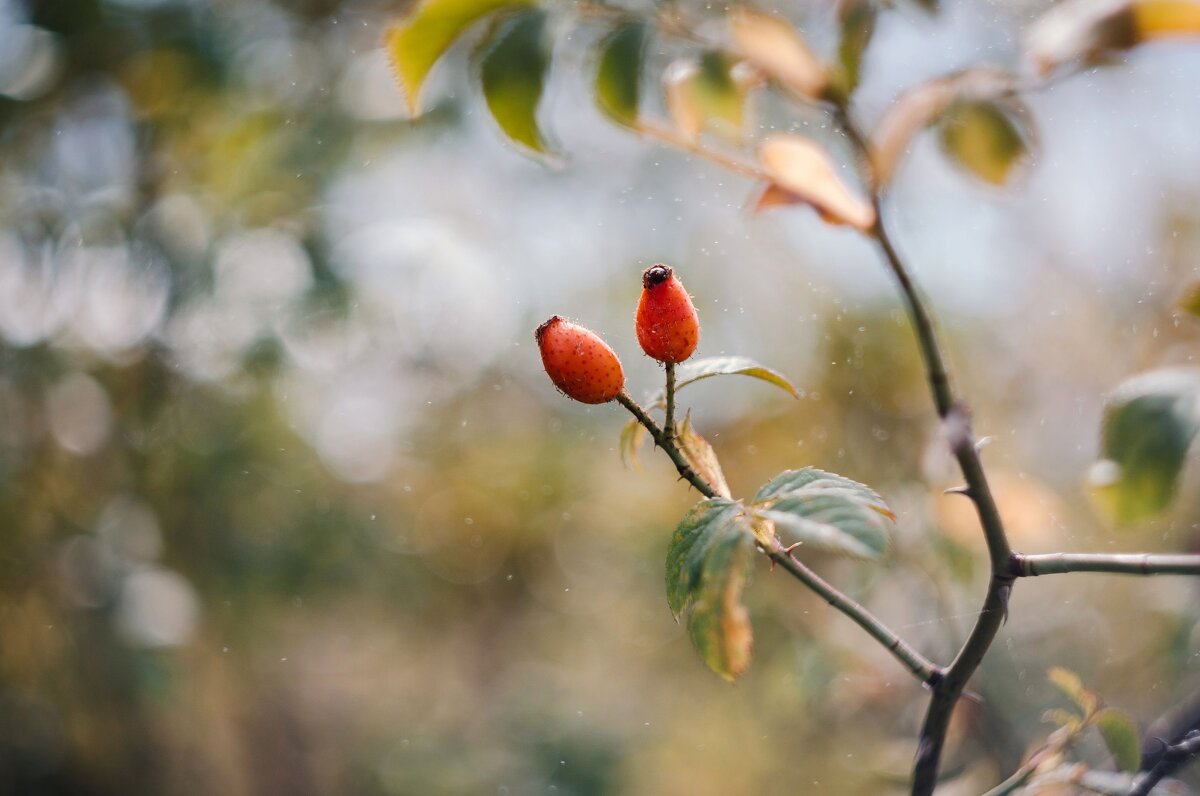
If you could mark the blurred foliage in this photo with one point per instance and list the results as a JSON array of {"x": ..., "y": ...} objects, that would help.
[{"x": 285, "y": 508}]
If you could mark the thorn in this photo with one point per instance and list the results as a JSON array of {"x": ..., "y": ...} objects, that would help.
[
  {"x": 982, "y": 443},
  {"x": 788, "y": 550},
  {"x": 972, "y": 696},
  {"x": 958, "y": 490},
  {"x": 1005, "y": 593}
]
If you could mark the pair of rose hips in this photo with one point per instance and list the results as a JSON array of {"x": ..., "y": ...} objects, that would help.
[{"x": 585, "y": 368}]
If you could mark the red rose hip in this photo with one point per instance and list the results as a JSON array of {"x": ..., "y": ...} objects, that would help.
[
  {"x": 579, "y": 362},
  {"x": 667, "y": 325}
]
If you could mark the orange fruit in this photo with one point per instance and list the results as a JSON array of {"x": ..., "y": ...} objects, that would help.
[
  {"x": 667, "y": 325},
  {"x": 579, "y": 362}
]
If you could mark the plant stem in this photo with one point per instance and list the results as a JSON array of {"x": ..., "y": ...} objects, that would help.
[
  {"x": 1028, "y": 566},
  {"x": 926, "y": 671},
  {"x": 1054, "y": 744},
  {"x": 667, "y": 444},
  {"x": 671, "y": 138},
  {"x": 956, "y": 424},
  {"x": 669, "y": 422},
  {"x": 1172, "y": 757}
]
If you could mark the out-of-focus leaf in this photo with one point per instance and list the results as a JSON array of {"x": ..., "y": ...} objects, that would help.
[
  {"x": 708, "y": 562},
  {"x": 702, "y": 457},
  {"x": 704, "y": 92},
  {"x": 801, "y": 168},
  {"x": 776, "y": 48},
  {"x": 512, "y": 72},
  {"x": 632, "y": 437},
  {"x": 1154, "y": 19},
  {"x": 1149, "y": 424},
  {"x": 1189, "y": 302},
  {"x": 619, "y": 72},
  {"x": 1063, "y": 718},
  {"x": 1072, "y": 688},
  {"x": 983, "y": 139},
  {"x": 828, "y": 511},
  {"x": 1121, "y": 738},
  {"x": 416, "y": 42},
  {"x": 918, "y": 107},
  {"x": 707, "y": 367},
  {"x": 1080, "y": 29},
  {"x": 858, "y": 25},
  {"x": 1090, "y": 30}
]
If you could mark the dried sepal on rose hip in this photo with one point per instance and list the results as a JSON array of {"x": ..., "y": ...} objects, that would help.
[
  {"x": 579, "y": 362},
  {"x": 667, "y": 325}
]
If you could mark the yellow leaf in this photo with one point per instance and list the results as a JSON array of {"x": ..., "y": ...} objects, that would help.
[
  {"x": 801, "y": 168},
  {"x": 702, "y": 457},
  {"x": 776, "y": 48},
  {"x": 682, "y": 103},
  {"x": 416, "y": 42},
  {"x": 917, "y": 108},
  {"x": 1156, "y": 18}
]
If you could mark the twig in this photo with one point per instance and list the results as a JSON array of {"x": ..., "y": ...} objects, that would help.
[
  {"x": 671, "y": 138},
  {"x": 1172, "y": 756},
  {"x": 1028, "y": 566},
  {"x": 925, "y": 670},
  {"x": 667, "y": 444},
  {"x": 957, "y": 426},
  {"x": 1057, "y": 741},
  {"x": 669, "y": 421}
]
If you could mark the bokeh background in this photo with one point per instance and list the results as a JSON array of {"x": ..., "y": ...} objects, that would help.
[{"x": 287, "y": 506}]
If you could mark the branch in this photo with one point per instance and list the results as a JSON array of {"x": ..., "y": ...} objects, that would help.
[
  {"x": 667, "y": 444},
  {"x": 671, "y": 138},
  {"x": 1029, "y": 566},
  {"x": 1172, "y": 756},
  {"x": 925, "y": 670},
  {"x": 669, "y": 421},
  {"x": 1057, "y": 741},
  {"x": 956, "y": 424}
]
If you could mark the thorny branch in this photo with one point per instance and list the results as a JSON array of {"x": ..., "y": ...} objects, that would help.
[
  {"x": 923, "y": 669},
  {"x": 947, "y": 684}
]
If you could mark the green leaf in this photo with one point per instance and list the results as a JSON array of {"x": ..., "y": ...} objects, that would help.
[
  {"x": 1149, "y": 424},
  {"x": 827, "y": 511},
  {"x": 619, "y": 72},
  {"x": 632, "y": 436},
  {"x": 416, "y": 42},
  {"x": 704, "y": 519},
  {"x": 811, "y": 478},
  {"x": 512, "y": 72},
  {"x": 708, "y": 563},
  {"x": 858, "y": 25},
  {"x": 983, "y": 138},
  {"x": 700, "y": 369},
  {"x": 1121, "y": 738}
]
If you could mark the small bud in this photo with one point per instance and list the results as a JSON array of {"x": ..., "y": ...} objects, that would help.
[
  {"x": 579, "y": 362},
  {"x": 667, "y": 325}
]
